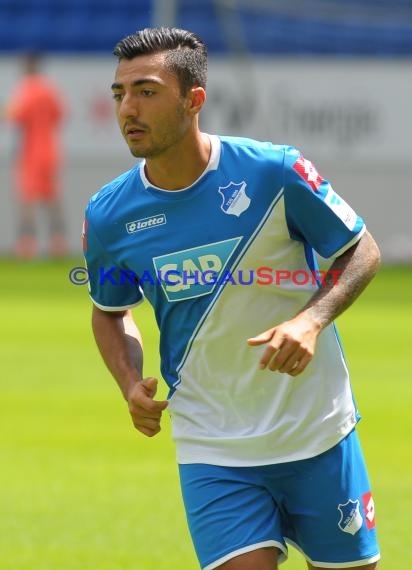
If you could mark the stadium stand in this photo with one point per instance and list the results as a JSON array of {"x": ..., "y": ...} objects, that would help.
[{"x": 312, "y": 27}]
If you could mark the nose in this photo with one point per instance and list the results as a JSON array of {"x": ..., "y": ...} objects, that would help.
[{"x": 128, "y": 106}]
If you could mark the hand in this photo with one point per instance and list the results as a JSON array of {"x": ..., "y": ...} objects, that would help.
[
  {"x": 291, "y": 345},
  {"x": 145, "y": 411}
]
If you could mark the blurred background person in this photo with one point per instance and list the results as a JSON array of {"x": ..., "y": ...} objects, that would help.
[{"x": 36, "y": 108}]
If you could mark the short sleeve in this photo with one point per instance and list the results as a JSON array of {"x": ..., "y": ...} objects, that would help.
[
  {"x": 111, "y": 287},
  {"x": 315, "y": 213}
]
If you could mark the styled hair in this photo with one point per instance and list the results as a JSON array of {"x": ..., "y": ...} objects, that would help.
[{"x": 186, "y": 53}]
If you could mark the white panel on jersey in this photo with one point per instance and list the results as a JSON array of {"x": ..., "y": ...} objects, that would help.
[{"x": 225, "y": 410}]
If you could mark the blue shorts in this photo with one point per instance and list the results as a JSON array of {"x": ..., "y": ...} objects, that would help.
[{"x": 323, "y": 506}]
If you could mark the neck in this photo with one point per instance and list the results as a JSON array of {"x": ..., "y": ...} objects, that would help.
[{"x": 181, "y": 165}]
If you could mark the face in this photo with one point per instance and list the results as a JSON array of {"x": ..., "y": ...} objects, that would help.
[{"x": 152, "y": 113}]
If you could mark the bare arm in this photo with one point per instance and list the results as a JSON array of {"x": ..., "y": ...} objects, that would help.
[
  {"x": 291, "y": 345},
  {"x": 120, "y": 345}
]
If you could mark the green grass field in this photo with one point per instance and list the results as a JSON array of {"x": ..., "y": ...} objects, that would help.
[{"x": 81, "y": 490}]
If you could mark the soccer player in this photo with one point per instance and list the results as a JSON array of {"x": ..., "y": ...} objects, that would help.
[
  {"x": 208, "y": 228},
  {"x": 36, "y": 108}
]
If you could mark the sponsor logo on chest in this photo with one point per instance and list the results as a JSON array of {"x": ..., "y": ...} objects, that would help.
[
  {"x": 145, "y": 223},
  {"x": 193, "y": 272}
]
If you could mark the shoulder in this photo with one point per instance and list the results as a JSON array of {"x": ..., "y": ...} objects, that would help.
[
  {"x": 100, "y": 203},
  {"x": 259, "y": 150}
]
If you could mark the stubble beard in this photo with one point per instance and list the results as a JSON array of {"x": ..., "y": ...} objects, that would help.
[{"x": 170, "y": 135}]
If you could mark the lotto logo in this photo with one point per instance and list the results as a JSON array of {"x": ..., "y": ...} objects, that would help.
[{"x": 145, "y": 223}]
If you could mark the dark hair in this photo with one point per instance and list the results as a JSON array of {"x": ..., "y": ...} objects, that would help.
[{"x": 186, "y": 55}]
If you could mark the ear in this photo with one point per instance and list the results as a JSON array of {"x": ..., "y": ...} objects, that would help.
[{"x": 196, "y": 98}]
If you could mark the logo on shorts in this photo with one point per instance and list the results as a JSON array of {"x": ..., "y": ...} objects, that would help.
[
  {"x": 369, "y": 509},
  {"x": 350, "y": 517},
  {"x": 145, "y": 223},
  {"x": 235, "y": 199}
]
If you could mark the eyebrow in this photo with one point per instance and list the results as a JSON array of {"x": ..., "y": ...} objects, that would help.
[{"x": 136, "y": 83}]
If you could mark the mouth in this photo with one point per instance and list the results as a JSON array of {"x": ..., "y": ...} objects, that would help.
[{"x": 133, "y": 132}]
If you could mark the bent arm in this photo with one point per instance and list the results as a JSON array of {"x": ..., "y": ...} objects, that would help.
[
  {"x": 291, "y": 344},
  {"x": 347, "y": 277},
  {"x": 120, "y": 345}
]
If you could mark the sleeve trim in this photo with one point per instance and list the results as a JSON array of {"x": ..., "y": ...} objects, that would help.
[
  {"x": 350, "y": 243},
  {"x": 114, "y": 309}
]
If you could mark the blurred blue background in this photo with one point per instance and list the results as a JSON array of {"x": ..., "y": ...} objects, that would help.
[{"x": 344, "y": 27}]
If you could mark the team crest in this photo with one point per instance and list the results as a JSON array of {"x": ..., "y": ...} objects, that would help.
[
  {"x": 235, "y": 199},
  {"x": 350, "y": 517}
]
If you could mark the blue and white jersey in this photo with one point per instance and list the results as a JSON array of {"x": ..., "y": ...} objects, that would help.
[{"x": 221, "y": 261}]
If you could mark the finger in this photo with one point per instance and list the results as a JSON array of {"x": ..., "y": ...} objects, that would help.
[
  {"x": 278, "y": 360},
  {"x": 142, "y": 395},
  {"x": 149, "y": 432},
  {"x": 141, "y": 414},
  {"x": 300, "y": 366},
  {"x": 268, "y": 357},
  {"x": 156, "y": 406},
  {"x": 147, "y": 407},
  {"x": 150, "y": 385},
  {"x": 290, "y": 361},
  {"x": 260, "y": 338},
  {"x": 290, "y": 352},
  {"x": 146, "y": 423}
]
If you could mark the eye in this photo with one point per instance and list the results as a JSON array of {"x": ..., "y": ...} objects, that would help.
[
  {"x": 117, "y": 96},
  {"x": 147, "y": 92}
]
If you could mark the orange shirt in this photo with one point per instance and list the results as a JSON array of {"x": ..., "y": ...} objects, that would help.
[{"x": 37, "y": 108}]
